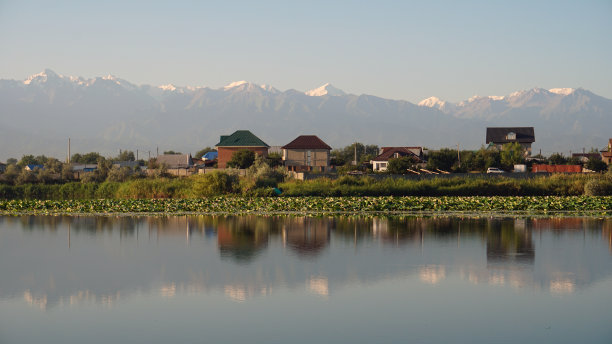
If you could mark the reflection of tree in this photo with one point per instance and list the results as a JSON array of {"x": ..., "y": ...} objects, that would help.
[
  {"x": 241, "y": 238},
  {"x": 307, "y": 236},
  {"x": 506, "y": 242}
]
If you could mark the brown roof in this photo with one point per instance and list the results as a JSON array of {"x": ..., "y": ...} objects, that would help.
[
  {"x": 389, "y": 152},
  {"x": 307, "y": 142}
]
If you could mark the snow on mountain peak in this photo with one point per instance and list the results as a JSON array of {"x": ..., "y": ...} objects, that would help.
[
  {"x": 235, "y": 84},
  {"x": 41, "y": 77},
  {"x": 168, "y": 87},
  {"x": 325, "y": 90},
  {"x": 562, "y": 91},
  {"x": 434, "y": 102}
]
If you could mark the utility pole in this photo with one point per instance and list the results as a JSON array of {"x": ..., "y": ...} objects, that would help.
[
  {"x": 68, "y": 160},
  {"x": 458, "y": 155},
  {"x": 149, "y": 155},
  {"x": 157, "y": 155},
  {"x": 137, "y": 155}
]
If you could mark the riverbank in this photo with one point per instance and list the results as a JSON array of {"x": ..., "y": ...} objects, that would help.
[{"x": 594, "y": 205}]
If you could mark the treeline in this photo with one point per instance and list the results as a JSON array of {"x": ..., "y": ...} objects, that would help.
[{"x": 266, "y": 181}]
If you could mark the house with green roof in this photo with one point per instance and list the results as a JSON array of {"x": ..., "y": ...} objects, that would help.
[{"x": 239, "y": 140}]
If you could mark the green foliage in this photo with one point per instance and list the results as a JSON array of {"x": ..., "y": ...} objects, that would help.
[
  {"x": 598, "y": 187},
  {"x": 125, "y": 155},
  {"x": 119, "y": 174},
  {"x": 243, "y": 158},
  {"x": 400, "y": 165},
  {"x": 346, "y": 155},
  {"x": 274, "y": 160},
  {"x": 89, "y": 158},
  {"x": 385, "y": 205},
  {"x": 557, "y": 159},
  {"x": 172, "y": 152},
  {"x": 215, "y": 183},
  {"x": 512, "y": 154},
  {"x": 444, "y": 159},
  {"x": 596, "y": 165}
]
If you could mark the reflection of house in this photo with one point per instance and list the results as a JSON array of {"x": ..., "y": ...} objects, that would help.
[
  {"x": 606, "y": 156},
  {"x": 175, "y": 161},
  {"x": 306, "y": 153},
  {"x": 499, "y": 136},
  {"x": 309, "y": 237},
  {"x": 239, "y": 242},
  {"x": 239, "y": 140},
  {"x": 380, "y": 163}
]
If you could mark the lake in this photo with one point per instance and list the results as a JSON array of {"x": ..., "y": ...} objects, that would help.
[{"x": 297, "y": 279}]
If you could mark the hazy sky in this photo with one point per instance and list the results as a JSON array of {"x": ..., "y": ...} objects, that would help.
[{"x": 401, "y": 50}]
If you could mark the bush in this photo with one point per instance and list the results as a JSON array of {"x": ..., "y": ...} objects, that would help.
[
  {"x": 215, "y": 183},
  {"x": 598, "y": 187}
]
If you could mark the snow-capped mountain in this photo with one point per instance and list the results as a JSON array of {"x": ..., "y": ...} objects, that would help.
[
  {"x": 325, "y": 90},
  {"x": 106, "y": 114}
]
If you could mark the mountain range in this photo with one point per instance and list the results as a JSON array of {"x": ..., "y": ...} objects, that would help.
[{"x": 105, "y": 114}]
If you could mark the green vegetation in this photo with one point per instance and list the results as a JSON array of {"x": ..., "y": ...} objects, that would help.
[
  {"x": 261, "y": 179},
  {"x": 212, "y": 205}
]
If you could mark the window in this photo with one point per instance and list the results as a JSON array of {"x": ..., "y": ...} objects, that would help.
[
  {"x": 308, "y": 158},
  {"x": 511, "y": 136}
]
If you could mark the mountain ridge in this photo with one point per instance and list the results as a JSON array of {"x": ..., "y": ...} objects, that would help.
[{"x": 109, "y": 113}]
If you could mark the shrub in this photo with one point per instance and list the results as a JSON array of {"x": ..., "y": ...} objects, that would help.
[
  {"x": 598, "y": 187},
  {"x": 215, "y": 183}
]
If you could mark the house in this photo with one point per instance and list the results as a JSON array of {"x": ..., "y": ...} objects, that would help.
[
  {"x": 32, "y": 167},
  {"x": 380, "y": 163},
  {"x": 210, "y": 156},
  {"x": 499, "y": 136},
  {"x": 2, "y": 167},
  {"x": 84, "y": 167},
  {"x": 175, "y": 161},
  {"x": 131, "y": 164},
  {"x": 306, "y": 153},
  {"x": 239, "y": 140},
  {"x": 607, "y": 156},
  {"x": 585, "y": 157}
]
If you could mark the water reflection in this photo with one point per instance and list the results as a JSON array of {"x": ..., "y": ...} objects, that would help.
[{"x": 67, "y": 260}]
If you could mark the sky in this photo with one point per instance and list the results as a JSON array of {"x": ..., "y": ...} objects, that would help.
[{"x": 407, "y": 50}]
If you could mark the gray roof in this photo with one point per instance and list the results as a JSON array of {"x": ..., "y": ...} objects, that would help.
[{"x": 175, "y": 160}]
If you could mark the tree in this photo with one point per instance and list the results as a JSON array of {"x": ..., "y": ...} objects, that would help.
[
  {"x": 444, "y": 159},
  {"x": 274, "y": 159},
  {"x": 557, "y": 159},
  {"x": 119, "y": 174},
  {"x": 596, "y": 165},
  {"x": 53, "y": 165},
  {"x": 242, "y": 159},
  {"x": 125, "y": 156},
  {"x": 400, "y": 165},
  {"x": 171, "y": 152},
  {"x": 11, "y": 161},
  {"x": 89, "y": 158},
  {"x": 201, "y": 152},
  {"x": 511, "y": 154}
]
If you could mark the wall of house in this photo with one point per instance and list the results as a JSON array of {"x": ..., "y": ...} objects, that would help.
[
  {"x": 297, "y": 159},
  {"x": 225, "y": 153}
]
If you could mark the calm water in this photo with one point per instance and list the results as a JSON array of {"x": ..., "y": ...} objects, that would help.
[{"x": 205, "y": 279}]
